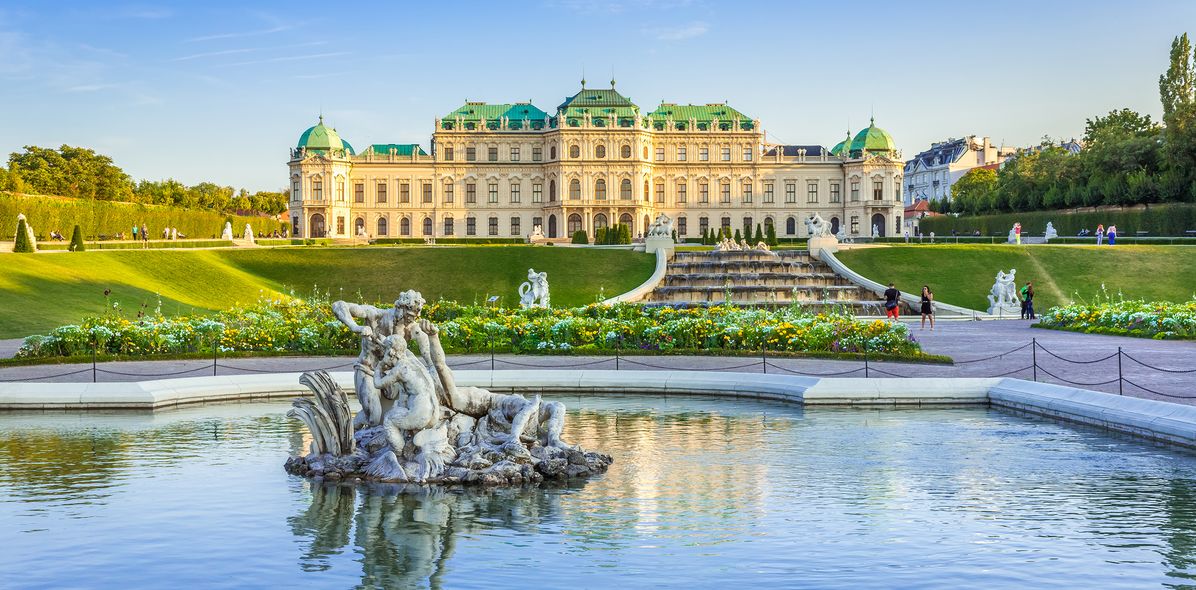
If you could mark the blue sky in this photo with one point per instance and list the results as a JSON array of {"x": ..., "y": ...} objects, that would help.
[{"x": 220, "y": 90}]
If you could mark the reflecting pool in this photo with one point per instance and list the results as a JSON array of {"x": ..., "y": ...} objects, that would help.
[{"x": 703, "y": 493}]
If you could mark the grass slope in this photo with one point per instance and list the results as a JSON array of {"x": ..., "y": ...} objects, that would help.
[
  {"x": 40, "y": 292},
  {"x": 963, "y": 275}
]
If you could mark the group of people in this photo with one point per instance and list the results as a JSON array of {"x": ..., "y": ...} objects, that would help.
[
  {"x": 274, "y": 234},
  {"x": 926, "y": 305},
  {"x": 1101, "y": 234}
]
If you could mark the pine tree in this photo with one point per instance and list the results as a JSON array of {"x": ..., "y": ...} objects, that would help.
[
  {"x": 771, "y": 235},
  {"x": 77, "y": 240},
  {"x": 759, "y": 235},
  {"x": 22, "y": 242},
  {"x": 579, "y": 237},
  {"x": 738, "y": 236}
]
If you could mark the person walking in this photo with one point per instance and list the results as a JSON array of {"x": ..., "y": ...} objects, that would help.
[
  {"x": 1112, "y": 234},
  {"x": 1017, "y": 233},
  {"x": 927, "y": 307},
  {"x": 892, "y": 299},
  {"x": 144, "y": 236},
  {"x": 1100, "y": 234},
  {"x": 134, "y": 232},
  {"x": 1028, "y": 301}
]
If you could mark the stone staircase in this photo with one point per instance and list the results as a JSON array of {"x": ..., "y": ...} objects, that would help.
[{"x": 758, "y": 277}]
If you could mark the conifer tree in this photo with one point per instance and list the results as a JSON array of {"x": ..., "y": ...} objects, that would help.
[
  {"x": 22, "y": 242},
  {"x": 77, "y": 240}
]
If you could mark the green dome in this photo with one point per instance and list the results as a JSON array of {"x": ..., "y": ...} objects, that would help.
[
  {"x": 872, "y": 140},
  {"x": 840, "y": 147},
  {"x": 322, "y": 138}
]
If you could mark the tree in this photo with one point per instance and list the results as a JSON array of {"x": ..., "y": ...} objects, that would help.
[
  {"x": 77, "y": 240},
  {"x": 579, "y": 237},
  {"x": 971, "y": 192},
  {"x": 759, "y": 235},
  {"x": 1177, "y": 91},
  {"x": 770, "y": 234},
  {"x": 1117, "y": 126},
  {"x": 738, "y": 236},
  {"x": 22, "y": 241}
]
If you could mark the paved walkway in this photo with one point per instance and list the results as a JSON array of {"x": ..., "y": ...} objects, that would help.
[{"x": 980, "y": 349}]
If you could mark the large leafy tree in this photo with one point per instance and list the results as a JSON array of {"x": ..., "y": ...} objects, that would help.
[
  {"x": 1177, "y": 92},
  {"x": 972, "y": 192}
]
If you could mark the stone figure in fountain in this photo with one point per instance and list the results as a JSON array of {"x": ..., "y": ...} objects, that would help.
[
  {"x": 417, "y": 425},
  {"x": 227, "y": 234},
  {"x": 817, "y": 226},
  {"x": 662, "y": 227},
  {"x": 1003, "y": 298},
  {"x": 534, "y": 291},
  {"x": 1050, "y": 232}
]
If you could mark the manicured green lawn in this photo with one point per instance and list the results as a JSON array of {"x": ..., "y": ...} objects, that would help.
[
  {"x": 41, "y": 291},
  {"x": 963, "y": 275}
]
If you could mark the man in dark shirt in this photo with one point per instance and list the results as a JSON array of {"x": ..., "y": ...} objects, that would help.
[{"x": 892, "y": 296}]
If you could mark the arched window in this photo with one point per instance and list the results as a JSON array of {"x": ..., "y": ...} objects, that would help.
[
  {"x": 552, "y": 153},
  {"x": 790, "y": 226},
  {"x": 575, "y": 189},
  {"x": 834, "y": 225},
  {"x": 625, "y": 151},
  {"x": 552, "y": 190},
  {"x": 625, "y": 189},
  {"x": 600, "y": 221},
  {"x": 574, "y": 151},
  {"x": 427, "y": 226},
  {"x": 382, "y": 226},
  {"x": 574, "y": 224},
  {"x": 767, "y": 224},
  {"x": 600, "y": 189},
  {"x": 359, "y": 227},
  {"x": 405, "y": 226},
  {"x": 600, "y": 151},
  {"x": 625, "y": 219}
]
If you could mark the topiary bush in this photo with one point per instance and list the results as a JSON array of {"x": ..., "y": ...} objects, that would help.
[
  {"x": 22, "y": 241},
  {"x": 580, "y": 237},
  {"x": 77, "y": 240}
]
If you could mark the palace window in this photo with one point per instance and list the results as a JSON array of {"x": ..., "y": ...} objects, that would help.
[
  {"x": 836, "y": 193},
  {"x": 747, "y": 228},
  {"x": 295, "y": 189},
  {"x": 537, "y": 154},
  {"x": 600, "y": 189},
  {"x": 381, "y": 192},
  {"x": 448, "y": 226},
  {"x": 317, "y": 189},
  {"x": 551, "y": 191},
  {"x": 471, "y": 226},
  {"x": 682, "y": 191},
  {"x": 767, "y": 225},
  {"x": 703, "y": 225},
  {"x": 427, "y": 226},
  {"x": 724, "y": 192},
  {"x": 382, "y": 226},
  {"x": 659, "y": 154},
  {"x": 492, "y": 226},
  {"x": 359, "y": 192},
  {"x": 538, "y": 221},
  {"x": 340, "y": 225},
  {"x": 515, "y": 225},
  {"x": 427, "y": 196},
  {"x": 704, "y": 154},
  {"x": 625, "y": 189},
  {"x": 471, "y": 193},
  {"x": 726, "y": 154},
  {"x": 575, "y": 189},
  {"x": 448, "y": 154},
  {"x": 790, "y": 192},
  {"x": 680, "y": 153},
  {"x": 855, "y": 193},
  {"x": 855, "y": 224},
  {"x": 660, "y": 192},
  {"x": 600, "y": 151},
  {"x": 747, "y": 154},
  {"x": 471, "y": 154},
  {"x": 681, "y": 229},
  {"x": 492, "y": 154},
  {"x": 574, "y": 151},
  {"x": 405, "y": 226},
  {"x": 515, "y": 190},
  {"x": 340, "y": 191},
  {"x": 725, "y": 223},
  {"x": 898, "y": 189},
  {"x": 404, "y": 192},
  {"x": 537, "y": 192},
  {"x": 625, "y": 152},
  {"x": 359, "y": 227},
  {"x": 492, "y": 192},
  {"x": 811, "y": 192},
  {"x": 448, "y": 192},
  {"x": 515, "y": 154},
  {"x": 769, "y": 195},
  {"x": 877, "y": 190},
  {"x": 790, "y": 226},
  {"x": 703, "y": 192},
  {"x": 552, "y": 153},
  {"x": 747, "y": 191},
  {"x": 574, "y": 223}
]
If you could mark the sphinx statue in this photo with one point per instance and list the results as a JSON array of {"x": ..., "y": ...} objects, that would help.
[{"x": 416, "y": 425}]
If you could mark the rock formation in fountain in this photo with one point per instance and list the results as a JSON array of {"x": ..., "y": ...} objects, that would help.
[{"x": 416, "y": 425}]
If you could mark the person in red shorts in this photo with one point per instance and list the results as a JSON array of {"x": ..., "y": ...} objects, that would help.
[{"x": 892, "y": 296}]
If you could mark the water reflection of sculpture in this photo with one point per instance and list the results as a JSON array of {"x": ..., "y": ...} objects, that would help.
[{"x": 417, "y": 425}]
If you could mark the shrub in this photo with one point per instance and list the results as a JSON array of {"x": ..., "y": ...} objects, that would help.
[
  {"x": 580, "y": 237},
  {"x": 77, "y": 240},
  {"x": 1157, "y": 220},
  {"x": 22, "y": 240}
]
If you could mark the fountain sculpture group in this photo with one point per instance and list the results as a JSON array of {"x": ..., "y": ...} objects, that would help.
[
  {"x": 1002, "y": 299},
  {"x": 416, "y": 425}
]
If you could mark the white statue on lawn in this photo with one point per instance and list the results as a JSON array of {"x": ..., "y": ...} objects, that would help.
[
  {"x": 662, "y": 227},
  {"x": 534, "y": 291},
  {"x": 1003, "y": 296},
  {"x": 817, "y": 226},
  {"x": 1050, "y": 231},
  {"x": 227, "y": 234},
  {"x": 249, "y": 233},
  {"x": 537, "y": 233},
  {"x": 417, "y": 425}
]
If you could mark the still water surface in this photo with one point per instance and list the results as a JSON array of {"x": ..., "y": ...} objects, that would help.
[{"x": 704, "y": 493}]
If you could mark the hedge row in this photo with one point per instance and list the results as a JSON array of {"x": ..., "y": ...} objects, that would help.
[
  {"x": 108, "y": 218},
  {"x": 1172, "y": 219},
  {"x": 131, "y": 245},
  {"x": 450, "y": 241}
]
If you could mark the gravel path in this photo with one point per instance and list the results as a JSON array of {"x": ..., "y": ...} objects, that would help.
[{"x": 980, "y": 349}]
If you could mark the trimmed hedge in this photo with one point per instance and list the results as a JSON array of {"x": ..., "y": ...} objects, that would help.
[
  {"x": 293, "y": 241},
  {"x": 138, "y": 245},
  {"x": 22, "y": 244},
  {"x": 1171, "y": 219},
  {"x": 380, "y": 241},
  {"x": 108, "y": 218},
  {"x": 77, "y": 240}
]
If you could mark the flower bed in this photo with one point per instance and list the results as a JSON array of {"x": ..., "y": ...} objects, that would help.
[
  {"x": 309, "y": 327},
  {"x": 1143, "y": 319}
]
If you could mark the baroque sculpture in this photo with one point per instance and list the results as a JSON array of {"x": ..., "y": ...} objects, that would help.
[
  {"x": 227, "y": 234},
  {"x": 875, "y": 230},
  {"x": 1003, "y": 296},
  {"x": 416, "y": 425},
  {"x": 534, "y": 291},
  {"x": 1050, "y": 231},
  {"x": 817, "y": 226},
  {"x": 249, "y": 234},
  {"x": 662, "y": 227}
]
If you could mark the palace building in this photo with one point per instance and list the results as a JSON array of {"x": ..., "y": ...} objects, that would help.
[{"x": 498, "y": 170}]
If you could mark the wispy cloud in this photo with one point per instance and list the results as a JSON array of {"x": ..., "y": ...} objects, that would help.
[
  {"x": 89, "y": 87},
  {"x": 237, "y": 35},
  {"x": 679, "y": 32},
  {"x": 246, "y": 50},
  {"x": 271, "y": 60}
]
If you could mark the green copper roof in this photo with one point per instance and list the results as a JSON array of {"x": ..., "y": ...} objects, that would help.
[
  {"x": 872, "y": 140},
  {"x": 472, "y": 113},
  {"x": 597, "y": 98},
  {"x": 703, "y": 116},
  {"x": 839, "y": 147},
  {"x": 322, "y": 138},
  {"x": 400, "y": 149}
]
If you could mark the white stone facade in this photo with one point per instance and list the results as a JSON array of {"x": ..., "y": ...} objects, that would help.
[{"x": 930, "y": 174}]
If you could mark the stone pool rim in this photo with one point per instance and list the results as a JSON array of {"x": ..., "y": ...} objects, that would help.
[{"x": 1152, "y": 420}]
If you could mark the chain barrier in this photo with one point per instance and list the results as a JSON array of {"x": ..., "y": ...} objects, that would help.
[
  {"x": 642, "y": 364},
  {"x": 883, "y": 372},
  {"x": 1148, "y": 390},
  {"x": 54, "y": 376},
  {"x": 1069, "y": 382},
  {"x": 810, "y": 374},
  {"x": 566, "y": 366},
  {"x": 1008, "y": 373},
  {"x": 1149, "y": 366},
  {"x": 1072, "y": 361},
  {"x": 111, "y": 372},
  {"x": 995, "y": 356}
]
